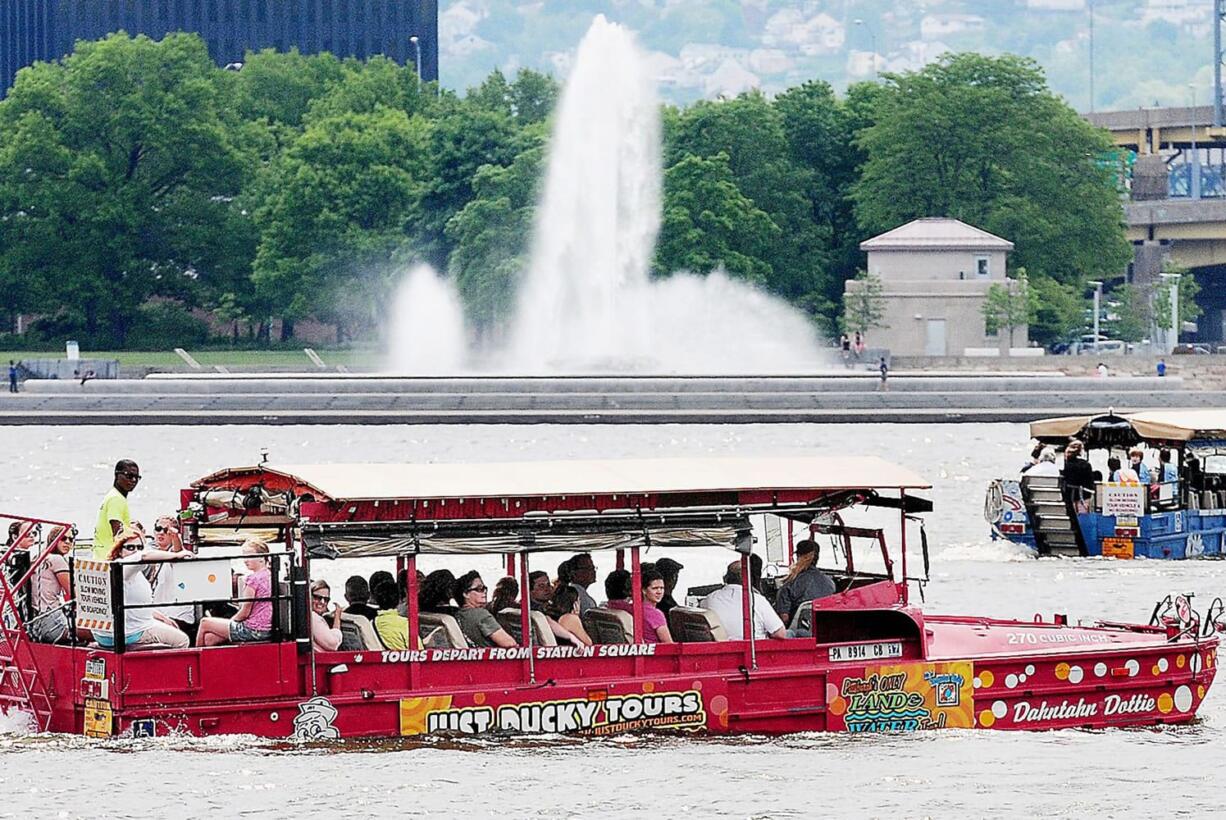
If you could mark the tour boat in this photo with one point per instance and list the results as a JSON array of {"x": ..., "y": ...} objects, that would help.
[
  {"x": 1181, "y": 517},
  {"x": 872, "y": 662}
]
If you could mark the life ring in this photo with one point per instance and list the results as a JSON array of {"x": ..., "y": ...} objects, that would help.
[{"x": 994, "y": 503}]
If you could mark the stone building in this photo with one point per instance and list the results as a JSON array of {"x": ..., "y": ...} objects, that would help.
[{"x": 935, "y": 274}]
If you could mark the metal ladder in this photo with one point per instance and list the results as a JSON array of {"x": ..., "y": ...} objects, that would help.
[
  {"x": 1053, "y": 527},
  {"x": 21, "y": 682}
]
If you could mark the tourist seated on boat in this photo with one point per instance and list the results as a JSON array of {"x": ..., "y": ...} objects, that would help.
[
  {"x": 435, "y": 592},
  {"x": 253, "y": 620},
  {"x": 391, "y": 627},
  {"x": 620, "y": 589},
  {"x": 617, "y": 587},
  {"x": 1046, "y": 466},
  {"x": 1136, "y": 457},
  {"x": 1033, "y": 461},
  {"x": 325, "y": 619},
  {"x": 671, "y": 570},
  {"x": 403, "y": 609},
  {"x": 725, "y": 602},
  {"x": 377, "y": 577},
  {"x": 564, "y": 608},
  {"x": 1113, "y": 469},
  {"x": 1168, "y": 471},
  {"x": 142, "y": 624},
  {"x": 804, "y": 582},
  {"x": 51, "y": 588},
  {"x": 166, "y": 536},
  {"x": 540, "y": 590},
  {"x": 1078, "y": 477},
  {"x": 476, "y": 622},
  {"x": 506, "y": 595},
  {"x": 579, "y": 571},
  {"x": 357, "y": 598}
]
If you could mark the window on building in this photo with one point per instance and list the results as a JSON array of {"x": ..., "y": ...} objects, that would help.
[
  {"x": 325, "y": 11},
  {"x": 981, "y": 267},
  {"x": 310, "y": 11},
  {"x": 261, "y": 12},
  {"x": 212, "y": 11}
]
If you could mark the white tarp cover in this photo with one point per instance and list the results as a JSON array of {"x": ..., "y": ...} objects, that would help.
[
  {"x": 356, "y": 482},
  {"x": 1167, "y": 425}
]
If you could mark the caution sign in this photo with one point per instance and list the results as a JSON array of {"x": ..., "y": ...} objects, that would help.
[
  {"x": 93, "y": 583},
  {"x": 1118, "y": 548},
  {"x": 99, "y": 719}
]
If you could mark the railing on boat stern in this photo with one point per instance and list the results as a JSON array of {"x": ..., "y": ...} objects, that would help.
[{"x": 21, "y": 681}]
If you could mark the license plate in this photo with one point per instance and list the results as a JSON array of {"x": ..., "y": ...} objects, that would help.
[{"x": 866, "y": 651}]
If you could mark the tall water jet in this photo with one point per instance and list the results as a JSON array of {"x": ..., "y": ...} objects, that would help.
[
  {"x": 587, "y": 303},
  {"x": 598, "y": 219},
  {"x": 427, "y": 335}
]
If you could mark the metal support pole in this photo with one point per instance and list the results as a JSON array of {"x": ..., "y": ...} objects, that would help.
[
  {"x": 1195, "y": 192},
  {"x": 525, "y": 615},
  {"x": 1098, "y": 295},
  {"x": 414, "y": 621},
  {"x": 1219, "y": 8},
  {"x": 902, "y": 526}
]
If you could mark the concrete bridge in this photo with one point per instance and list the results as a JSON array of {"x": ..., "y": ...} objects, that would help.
[{"x": 1177, "y": 198}]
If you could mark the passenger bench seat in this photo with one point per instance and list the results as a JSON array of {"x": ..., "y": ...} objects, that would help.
[
  {"x": 439, "y": 631},
  {"x": 691, "y": 624},
  {"x": 606, "y": 625}
]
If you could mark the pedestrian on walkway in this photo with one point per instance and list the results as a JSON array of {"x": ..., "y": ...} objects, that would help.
[
  {"x": 1161, "y": 368},
  {"x": 884, "y": 367},
  {"x": 12, "y": 376}
]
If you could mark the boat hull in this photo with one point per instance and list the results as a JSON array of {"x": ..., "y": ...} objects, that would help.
[{"x": 977, "y": 674}]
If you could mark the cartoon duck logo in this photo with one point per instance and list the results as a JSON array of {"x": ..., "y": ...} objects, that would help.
[{"x": 314, "y": 720}]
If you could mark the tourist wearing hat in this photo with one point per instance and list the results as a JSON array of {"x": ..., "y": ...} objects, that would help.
[{"x": 670, "y": 569}]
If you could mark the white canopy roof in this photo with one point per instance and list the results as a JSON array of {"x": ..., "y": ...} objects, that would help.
[
  {"x": 1168, "y": 425},
  {"x": 562, "y": 478}
]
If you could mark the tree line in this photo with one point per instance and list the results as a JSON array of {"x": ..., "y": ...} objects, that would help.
[{"x": 138, "y": 181}]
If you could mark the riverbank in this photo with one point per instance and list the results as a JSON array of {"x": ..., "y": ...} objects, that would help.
[{"x": 917, "y": 398}]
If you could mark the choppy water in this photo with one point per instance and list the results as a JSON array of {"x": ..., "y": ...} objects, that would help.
[{"x": 62, "y": 472}]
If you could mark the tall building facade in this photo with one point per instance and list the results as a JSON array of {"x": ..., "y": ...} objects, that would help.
[{"x": 33, "y": 30}]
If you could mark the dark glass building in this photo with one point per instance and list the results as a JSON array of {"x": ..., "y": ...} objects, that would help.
[{"x": 46, "y": 29}]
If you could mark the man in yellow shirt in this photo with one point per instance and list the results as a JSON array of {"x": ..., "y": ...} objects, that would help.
[
  {"x": 391, "y": 626},
  {"x": 113, "y": 515}
]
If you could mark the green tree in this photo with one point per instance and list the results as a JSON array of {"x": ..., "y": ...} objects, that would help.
[
  {"x": 751, "y": 133},
  {"x": 491, "y": 233},
  {"x": 117, "y": 170},
  {"x": 1129, "y": 313},
  {"x": 708, "y": 223},
  {"x": 1010, "y": 305},
  {"x": 1059, "y": 313},
  {"x": 339, "y": 215},
  {"x": 983, "y": 140},
  {"x": 863, "y": 304}
]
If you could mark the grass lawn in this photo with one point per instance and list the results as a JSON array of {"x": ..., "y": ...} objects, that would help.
[{"x": 363, "y": 359}]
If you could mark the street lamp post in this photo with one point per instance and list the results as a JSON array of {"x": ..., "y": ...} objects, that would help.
[
  {"x": 1172, "y": 336},
  {"x": 872, "y": 38},
  {"x": 416, "y": 41},
  {"x": 1098, "y": 297}
]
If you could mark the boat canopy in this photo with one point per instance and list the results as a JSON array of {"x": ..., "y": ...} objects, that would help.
[
  {"x": 391, "y": 509},
  {"x": 1112, "y": 430},
  {"x": 401, "y": 482}
]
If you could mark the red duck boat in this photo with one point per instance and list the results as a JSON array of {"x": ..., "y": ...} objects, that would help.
[{"x": 871, "y": 661}]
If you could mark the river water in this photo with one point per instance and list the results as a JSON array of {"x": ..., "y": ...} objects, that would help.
[{"x": 59, "y": 472}]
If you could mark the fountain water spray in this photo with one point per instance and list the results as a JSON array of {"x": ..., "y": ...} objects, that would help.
[
  {"x": 587, "y": 303},
  {"x": 427, "y": 332}
]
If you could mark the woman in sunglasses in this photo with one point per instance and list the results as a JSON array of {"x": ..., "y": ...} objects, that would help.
[
  {"x": 253, "y": 621},
  {"x": 51, "y": 587},
  {"x": 325, "y": 626},
  {"x": 476, "y": 622},
  {"x": 142, "y": 623}
]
